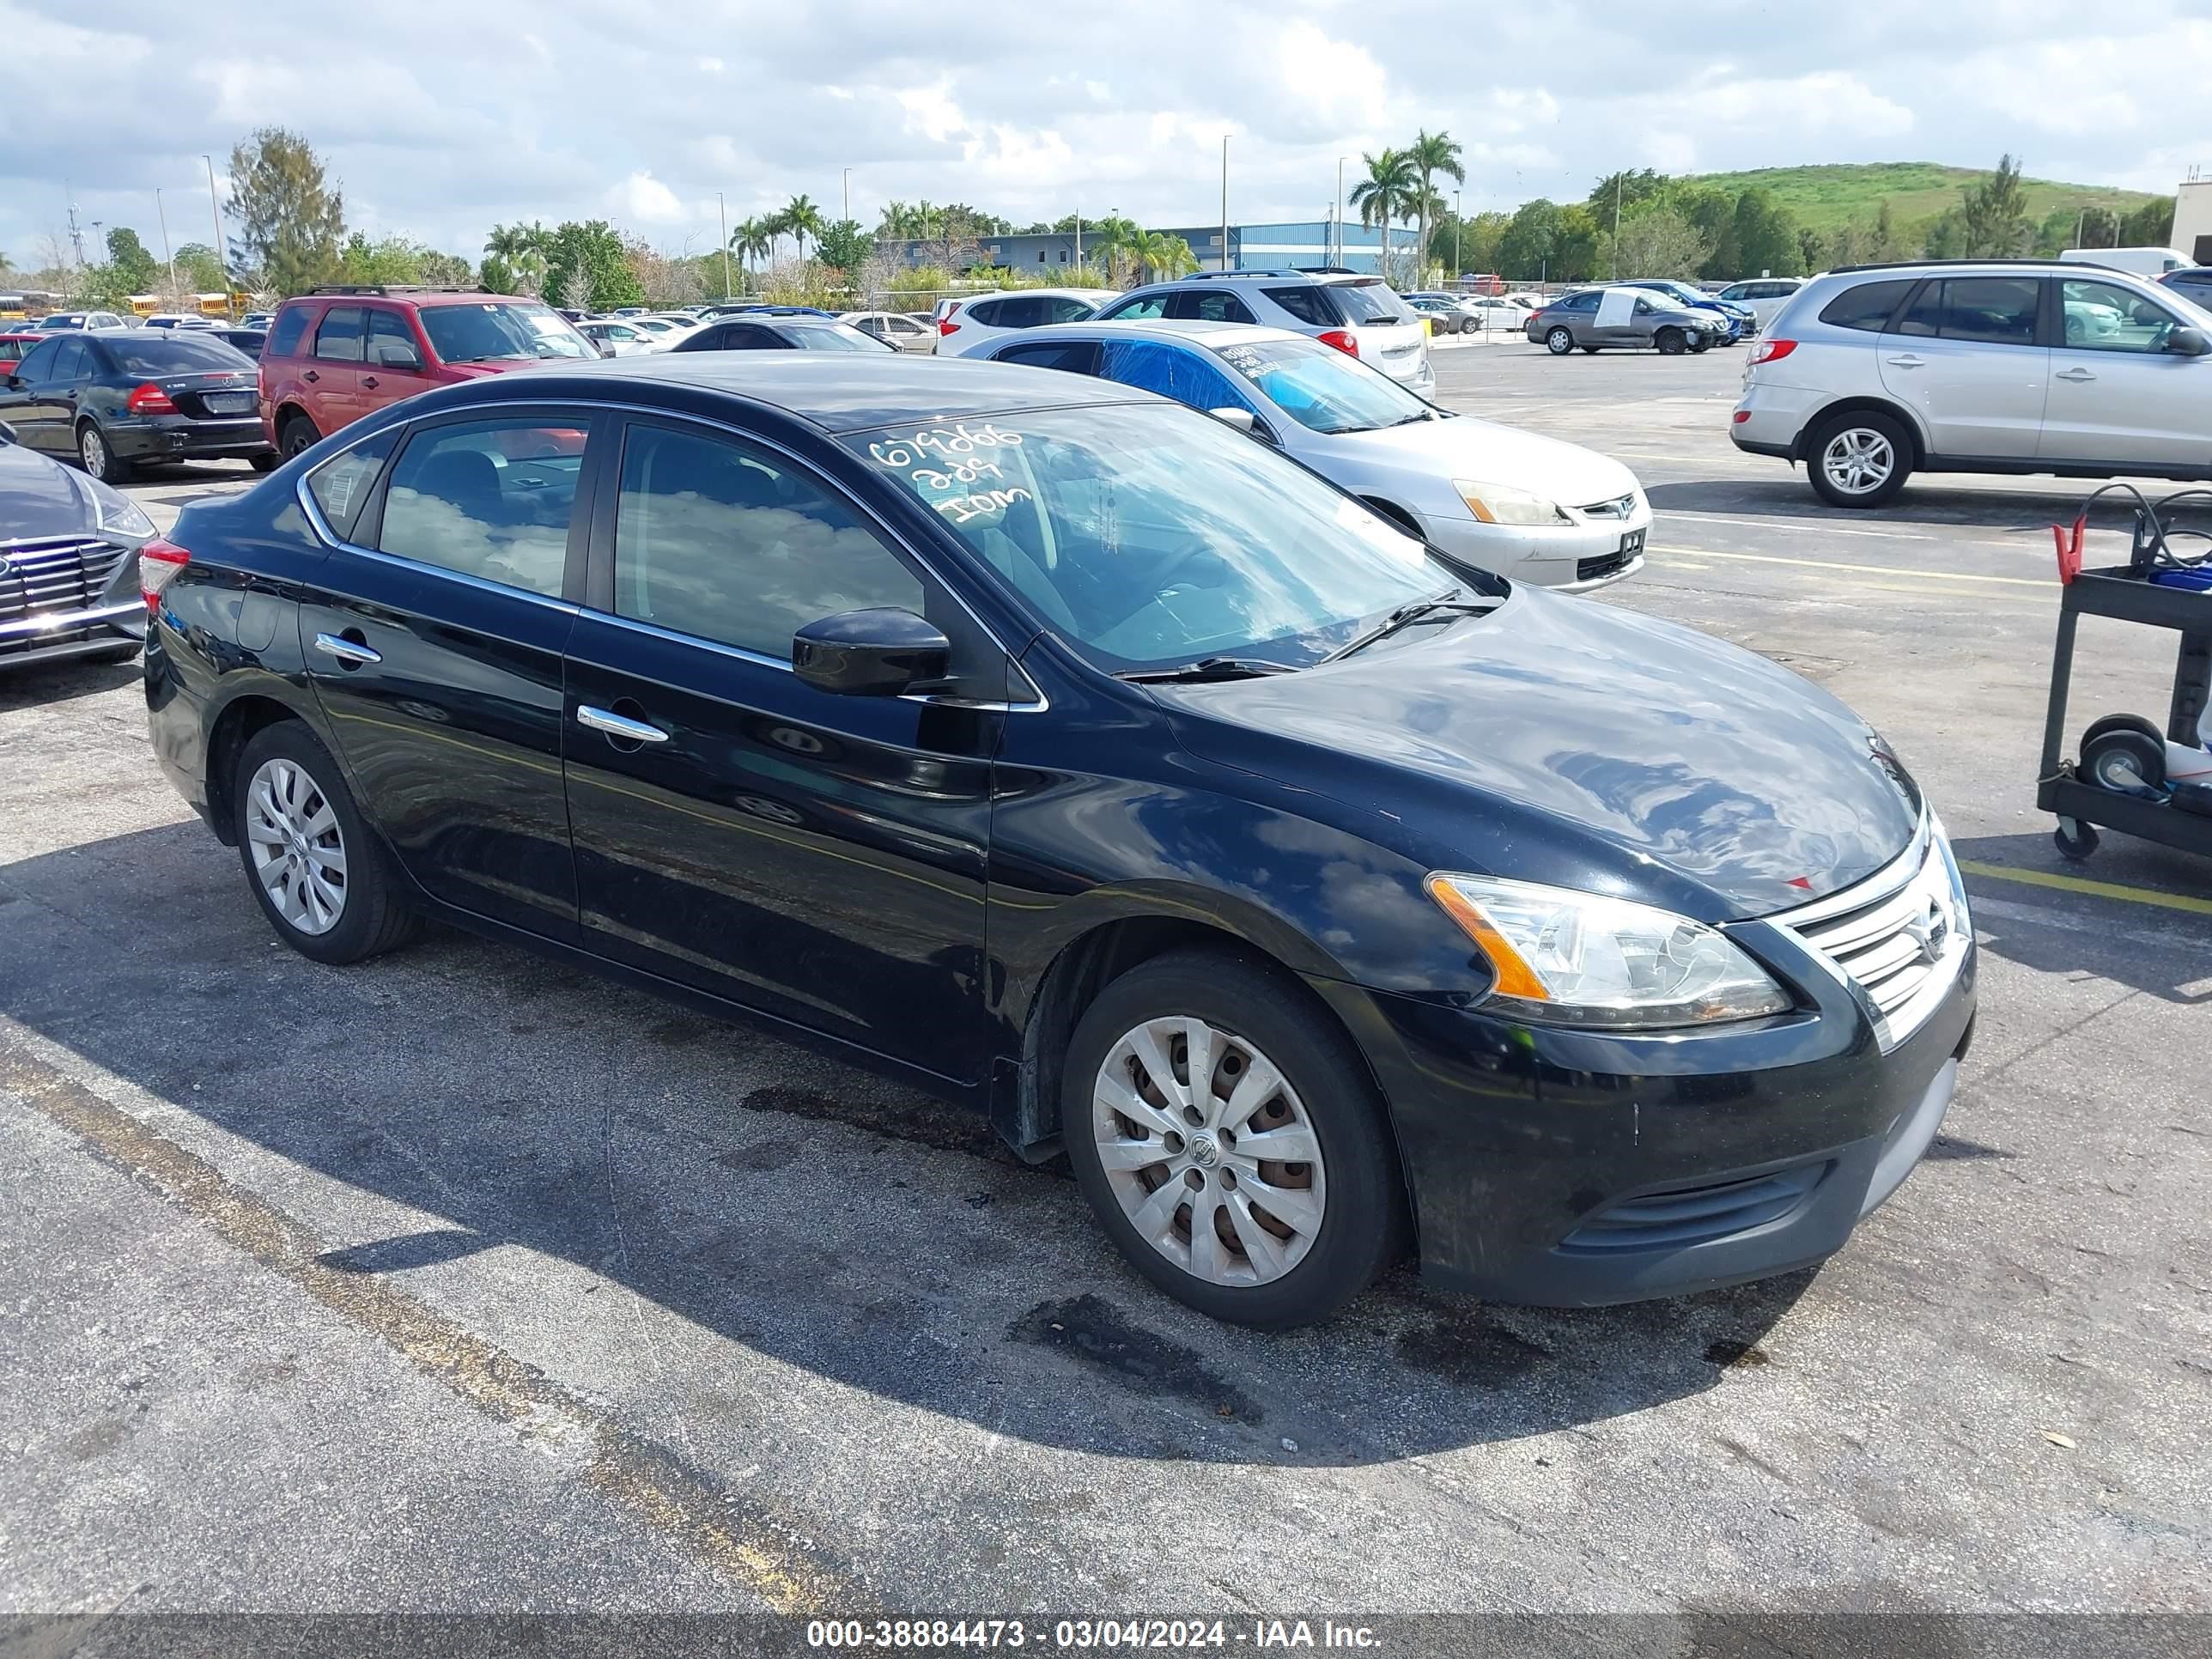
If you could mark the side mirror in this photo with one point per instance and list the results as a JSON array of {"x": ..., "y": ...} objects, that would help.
[
  {"x": 1236, "y": 420},
  {"x": 397, "y": 354},
  {"x": 879, "y": 652},
  {"x": 2186, "y": 342}
]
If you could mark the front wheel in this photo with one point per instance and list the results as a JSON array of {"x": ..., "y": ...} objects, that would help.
[
  {"x": 103, "y": 463},
  {"x": 1228, "y": 1137},
  {"x": 320, "y": 876},
  {"x": 1560, "y": 341},
  {"x": 1700, "y": 343},
  {"x": 1671, "y": 342},
  {"x": 1858, "y": 459}
]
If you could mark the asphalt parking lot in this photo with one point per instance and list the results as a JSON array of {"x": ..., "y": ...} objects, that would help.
[{"x": 462, "y": 1281}]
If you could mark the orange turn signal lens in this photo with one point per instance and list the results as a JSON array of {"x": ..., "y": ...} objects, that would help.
[{"x": 1516, "y": 978}]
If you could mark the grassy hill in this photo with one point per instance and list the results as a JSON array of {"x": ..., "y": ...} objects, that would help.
[{"x": 1822, "y": 197}]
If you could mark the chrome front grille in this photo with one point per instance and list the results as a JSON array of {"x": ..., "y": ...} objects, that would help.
[
  {"x": 1622, "y": 506},
  {"x": 1897, "y": 938},
  {"x": 42, "y": 576}
]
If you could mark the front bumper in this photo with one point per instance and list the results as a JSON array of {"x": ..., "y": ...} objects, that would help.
[
  {"x": 1575, "y": 1169},
  {"x": 1566, "y": 558},
  {"x": 182, "y": 437}
]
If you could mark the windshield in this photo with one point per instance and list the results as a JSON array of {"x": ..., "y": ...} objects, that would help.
[
  {"x": 1150, "y": 537},
  {"x": 167, "y": 351},
  {"x": 1320, "y": 388},
  {"x": 830, "y": 337},
  {"x": 486, "y": 333}
]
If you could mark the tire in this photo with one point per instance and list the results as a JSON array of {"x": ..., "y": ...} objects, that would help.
[
  {"x": 1671, "y": 342},
  {"x": 2105, "y": 723},
  {"x": 263, "y": 462},
  {"x": 1700, "y": 344},
  {"x": 1884, "y": 460},
  {"x": 2075, "y": 839},
  {"x": 2125, "y": 760},
  {"x": 305, "y": 792},
  {"x": 1591, "y": 351},
  {"x": 297, "y": 433},
  {"x": 97, "y": 458},
  {"x": 1349, "y": 1218},
  {"x": 1560, "y": 341}
]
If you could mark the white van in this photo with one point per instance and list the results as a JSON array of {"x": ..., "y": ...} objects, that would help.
[{"x": 2143, "y": 261}]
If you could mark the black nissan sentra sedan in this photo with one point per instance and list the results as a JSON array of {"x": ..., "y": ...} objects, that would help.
[{"x": 1063, "y": 750}]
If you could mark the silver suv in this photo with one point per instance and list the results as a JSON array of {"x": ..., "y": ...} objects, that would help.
[
  {"x": 2009, "y": 366},
  {"x": 1361, "y": 315}
]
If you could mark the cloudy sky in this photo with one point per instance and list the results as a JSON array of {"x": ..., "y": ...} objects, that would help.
[{"x": 442, "y": 118}]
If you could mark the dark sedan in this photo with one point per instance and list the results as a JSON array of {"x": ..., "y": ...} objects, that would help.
[
  {"x": 764, "y": 331},
  {"x": 69, "y": 563},
  {"x": 247, "y": 341},
  {"x": 114, "y": 397},
  {"x": 1059, "y": 748}
]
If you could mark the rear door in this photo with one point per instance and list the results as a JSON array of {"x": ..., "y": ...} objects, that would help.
[
  {"x": 2117, "y": 396},
  {"x": 817, "y": 857},
  {"x": 1968, "y": 354},
  {"x": 434, "y": 640},
  {"x": 1208, "y": 306},
  {"x": 332, "y": 381}
]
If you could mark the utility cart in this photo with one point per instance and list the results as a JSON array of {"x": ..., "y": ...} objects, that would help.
[{"x": 2122, "y": 592}]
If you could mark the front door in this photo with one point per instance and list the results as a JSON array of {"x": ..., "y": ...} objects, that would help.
[
  {"x": 1966, "y": 355},
  {"x": 2117, "y": 396},
  {"x": 40, "y": 406},
  {"x": 436, "y": 648},
  {"x": 819, "y": 858},
  {"x": 393, "y": 367}
]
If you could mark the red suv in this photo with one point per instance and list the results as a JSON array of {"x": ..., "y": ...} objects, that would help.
[{"x": 335, "y": 354}]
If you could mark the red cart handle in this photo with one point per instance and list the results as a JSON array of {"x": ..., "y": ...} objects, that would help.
[{"x": 2069, "y": 548}]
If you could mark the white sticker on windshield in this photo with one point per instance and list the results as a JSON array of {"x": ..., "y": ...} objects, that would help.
[
  {"x": 546, "y": 322},
  {"x": 953, "y": 468}
]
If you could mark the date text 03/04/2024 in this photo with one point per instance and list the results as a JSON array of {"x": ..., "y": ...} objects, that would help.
[{"x": 1164, "y": 1635}]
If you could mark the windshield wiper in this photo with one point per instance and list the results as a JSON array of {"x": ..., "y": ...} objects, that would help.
[
  {"x": 1452, "y": 600},
  {"x": 1207, "y": 668}
]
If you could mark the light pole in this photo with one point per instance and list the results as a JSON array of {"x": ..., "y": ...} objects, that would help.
[
  {"x": 848, "y": 194},
  {"x": 1224, "y": 201},
  {"x": 1616, "y": 226},
  {"x": 168, "y": 258},
  {"x": 1339, "y": 221},
  {"x": 222, "y": 253},
  {"x": 1456, "y": 271},
  {"x": 722, "y": 212}
]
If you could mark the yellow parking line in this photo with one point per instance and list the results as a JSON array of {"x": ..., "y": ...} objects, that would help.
[
  {"x": 1862, "y": 569},
  {"x": 2111, "y": 890}
]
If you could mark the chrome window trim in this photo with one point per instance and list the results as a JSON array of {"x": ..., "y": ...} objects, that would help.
[{"x": 321, "y": 526}]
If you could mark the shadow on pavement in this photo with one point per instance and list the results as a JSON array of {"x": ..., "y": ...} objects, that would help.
[
  {"x": 2166, "y": 953},
  {"x": 2026, "y": 507},
  {"x": 797, "y": 1206},
  {"x": 51, "y": 683}
]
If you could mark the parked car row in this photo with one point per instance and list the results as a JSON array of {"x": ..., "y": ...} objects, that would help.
[
  {"x": 1098, "y": 762},
  {"x": 110, "y": 398}
]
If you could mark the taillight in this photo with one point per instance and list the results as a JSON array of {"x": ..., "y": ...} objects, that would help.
[
  {"x": 948, "y": 326},
  {"x": 1772, "y": 351},
  {"x": 149, "y": 399},
  {"x": 159, "y": 562},
  {"x": 1343, "y": 339}
]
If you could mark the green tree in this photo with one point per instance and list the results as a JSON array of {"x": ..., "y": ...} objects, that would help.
[
  {"x": 2150, "y": 225},
  {"x": 1575, "y": 246},
  {"x": 1385, "y": 194},
  {"x": 1657, "y": 241},
  {"x": 843, "y": 245},
  {"x": 586, "y": 266},
  {"x": 1765, "y": 239},
  {"x": 1430, "y": 154},
  {"x": 520, "y": 251},
  {"x": 198, "y": 268},
  {"x": 1995, "y": 210},
  {"x": 1712, "y": 212},
  {"x": 290, "y": 218},
  {"x": 134, "y": 268},
  {"x": 800, "y": 220},
  {"x": 1163, "y": 255},
  {"x": 1525, "y": 251},
  {"x": 1627, "y": 190},
  {"x": 753, "y": 239}
]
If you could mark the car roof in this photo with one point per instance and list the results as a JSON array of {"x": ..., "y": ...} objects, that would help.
[
  {"x": 440, "y": 297},
  {"x": 1194, "y": 330},
  {"x": 1097, "y": 294},
  {"x": 835, "y": 392}
]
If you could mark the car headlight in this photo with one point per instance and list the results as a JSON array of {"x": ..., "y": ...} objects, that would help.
[
  {"x": 1578, "y": 959},
  {"x": 120, "y": 513},
  {"x": 1503, "y": 504}
]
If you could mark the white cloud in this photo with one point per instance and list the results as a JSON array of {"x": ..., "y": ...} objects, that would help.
[
  {"x": 1339, "y": 81},
  {"x": 710, "y": 66},
  {"x": 643, "y": 199}
]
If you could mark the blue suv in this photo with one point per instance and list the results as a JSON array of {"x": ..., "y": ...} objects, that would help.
[{"x": 1743, "y": 323}]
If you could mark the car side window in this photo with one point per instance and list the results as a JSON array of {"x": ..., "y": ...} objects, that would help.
[
  {"x": 1308, "y": 305},
  {"x": 291, "y": 328},
  {"x": 1143, "y": 308},
  {"x": 389, "y": 328},
  {"x": 1073, "y": 356},
  {"x": 342, "y": 484},
  {"x": 1579, "y": 303},
  {"x": 2103, "y": 317},
  {"x": 1188, "y": 377},
  {"x": 1987, "y": 310},
  {"x": 1212, "y": 307},
  {"x": 986, "y": 311},
  {"x": 1063, "y": 309},
  {"x": 489, "y": 499},
  {"x": 339, "y": 338},
  {"x": 74, "y": 363},
  {"x": 732, "y": 542},
  {"x": 1866, "y": 308},
  {"x": 1644, "y": 307},
  {"x": 38, "y": 362}
]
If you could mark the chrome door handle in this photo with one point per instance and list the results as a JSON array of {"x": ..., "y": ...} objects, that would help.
[
  {"x": 2075, "y": 374},
  {"x": 346, "y": 651},
  {"x": 1906, "y": 362},
  {"x": 618, "y": 726}
]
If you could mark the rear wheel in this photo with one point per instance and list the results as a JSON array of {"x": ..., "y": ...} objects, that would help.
[
  {"x": 298, "y": 434},
  {"x": 103, "y": 463},
  {"x": 321, "y": 877},
  {"x": 1230, "y": 1141},
  {"x": 1858, "y": 459},
  {"x": 1671, "y": 342},
  {"x": 1560, "y": 341}
]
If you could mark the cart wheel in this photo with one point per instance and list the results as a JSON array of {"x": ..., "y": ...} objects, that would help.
[{"x": 2075, "y": 839}]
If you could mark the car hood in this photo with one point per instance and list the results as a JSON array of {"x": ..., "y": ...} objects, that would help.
[
  {"x": 1486, "y": 452},
  {"x": 1568, "y": 741},
  {"x": 40, "y": 499}
]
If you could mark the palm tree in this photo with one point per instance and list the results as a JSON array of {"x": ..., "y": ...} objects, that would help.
[
  {"x": 1165, "y": 256},
  {"x": 1110, "y": 242},
  {"x": 753, "y": 239},
  {"x": 1432, "y": 153},
  {"x": 802, "y": 219},
  {"x": 522, "y": 248},
  {"x": 1386, "y": 193}
]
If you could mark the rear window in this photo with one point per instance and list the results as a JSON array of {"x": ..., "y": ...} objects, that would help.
[
  {"x": 1309, "y": 306},
  {"x": 1868, "y": 306},
  {"x": 291, "y": 328},
  {"x": 1369, "y": 303},
  {"x": 168, "y": 351}
]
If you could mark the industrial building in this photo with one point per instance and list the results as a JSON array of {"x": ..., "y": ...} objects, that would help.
[{"x": 1258, "y": 246}]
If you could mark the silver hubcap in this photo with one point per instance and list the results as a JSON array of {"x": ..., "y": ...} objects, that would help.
[
  {"x": 95, "y": 451},
  {"x": 1209, "y": 1150},
  {"x": 1858, "y": 460},
  {"x": 297, "y": 850},
  {"x": 1561, "y": 340}
]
